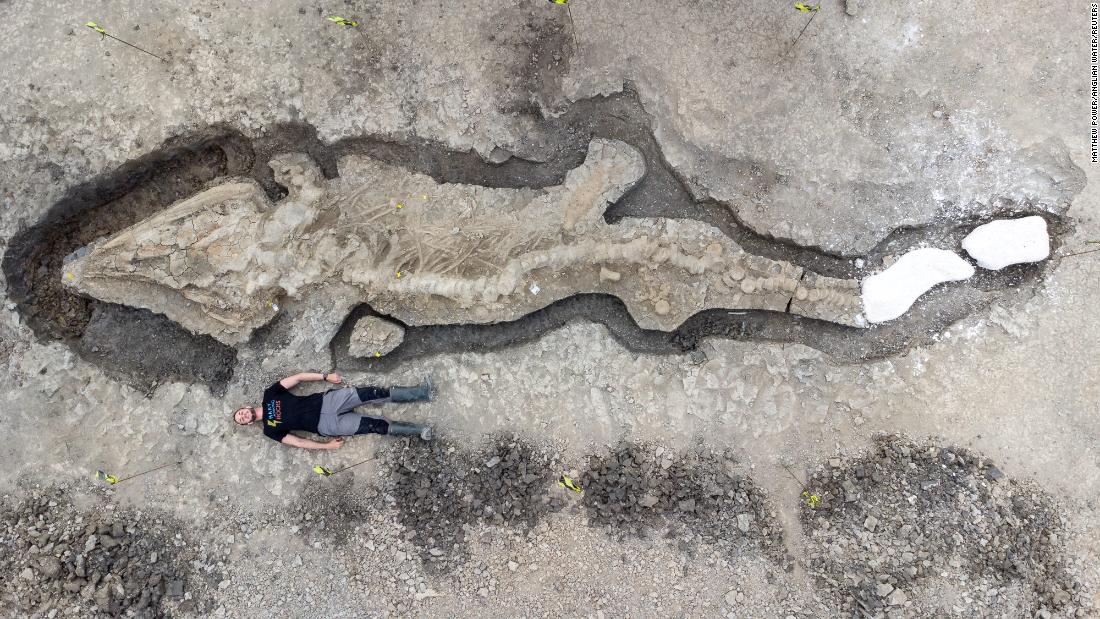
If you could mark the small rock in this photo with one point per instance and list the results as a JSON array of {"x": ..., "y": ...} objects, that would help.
[
  {"x": 175, "y": 589},
  {"x": 648, "y": 501},
  {"x": 662, "y": 308},
  {"x": 607, "y": 275},
  {"x": 993, "y": 474},
  {"x": 374, "y": 337},
  {"x": 850, "y": 492},
  {"x": 897, "y": 598},
  {"x": 103, "y": 597},
  {"x": 50, "y": 567},
  {"x": 27, "y": 574},
  {"x": 512, "y": 566},
  {"x": 743, "y": 522},
  {"x": 499, "y": 155},
  {"x": 884, "y": 589},
  {"x": 492, "y": 462},
  {"x": 687, "y": 505},
  {"x": 731, "y": 597},
  {"x": 870, "y": 523}
]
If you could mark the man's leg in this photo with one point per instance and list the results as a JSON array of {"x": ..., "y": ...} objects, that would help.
[
  {"x": 372, "y": 395},
  {"x": 373, "y": 425},
  {"x": 333, "y": 404},
  {"x": 419, "y": 393},
  {"x": 397, "y": 428},
  {"x": 377, "y": 425}
]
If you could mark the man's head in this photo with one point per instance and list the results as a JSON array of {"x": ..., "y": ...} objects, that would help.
[{"x": 245, "y": 415}]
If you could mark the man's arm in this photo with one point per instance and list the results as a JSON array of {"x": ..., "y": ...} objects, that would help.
[
  {"x": 291, "y": 382},
  {"x": 305, "y": 443}
]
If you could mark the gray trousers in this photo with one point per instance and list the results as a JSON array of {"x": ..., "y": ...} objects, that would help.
[{"x": 337, "y": 416}]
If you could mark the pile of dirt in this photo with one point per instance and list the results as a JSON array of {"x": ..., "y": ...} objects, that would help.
[
  {"x": 698, "y": 496},
  {"x": 331, "y": 508},
  {"x": 56, "y": 559},
  {"x": 919, "y": 529},
  {"x": 439, "y": 489}
]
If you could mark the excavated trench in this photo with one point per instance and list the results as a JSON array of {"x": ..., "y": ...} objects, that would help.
[{"x": 145, "y": 348}]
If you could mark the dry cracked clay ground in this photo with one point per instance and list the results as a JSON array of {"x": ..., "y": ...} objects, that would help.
[{"x": 746, "y": 445}]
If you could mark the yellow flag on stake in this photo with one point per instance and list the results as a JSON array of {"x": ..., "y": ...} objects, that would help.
[
  {"x": 567, "y": 482},
  {"x": 343, "y": 22},
  {"x": 95, "y": 26}
]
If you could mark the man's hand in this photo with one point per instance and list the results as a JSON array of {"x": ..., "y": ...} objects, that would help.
[
  {"x": 335, "y": 443},
  {"x": 335, "y": 379}
]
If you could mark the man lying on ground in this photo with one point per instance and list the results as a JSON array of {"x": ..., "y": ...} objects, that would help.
[{"x": 330, "y": 413}]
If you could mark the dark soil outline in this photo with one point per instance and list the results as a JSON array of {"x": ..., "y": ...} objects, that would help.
[{"x": 562, "y": 143}]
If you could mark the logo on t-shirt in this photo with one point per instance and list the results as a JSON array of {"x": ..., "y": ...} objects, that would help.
[{"x": 273, "y": 413}]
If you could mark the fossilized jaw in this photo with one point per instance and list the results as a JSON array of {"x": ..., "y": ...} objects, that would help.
[
  {"x": 431, "y": 253},
  {"x": 177, "y": 263}
]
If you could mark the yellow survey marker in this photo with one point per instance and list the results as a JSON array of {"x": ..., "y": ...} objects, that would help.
[
  {"x": 95, "y": 26},
  {"x": 113, "y": 479},
  {"x": 350, "y": 23},
  {"x": 103, "y": 34},
  {"x": 567, "y": 482}
]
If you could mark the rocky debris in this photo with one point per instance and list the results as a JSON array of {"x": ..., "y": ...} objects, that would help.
[
  {"x": 55, "y": 559},
  {"x": 330, "y": 509},
  {"x": 909, "y": 519},
  {"x": 440, "y": 490},
  {"x": 699, "y": 495},
  {"x": 374, "y": 337}
]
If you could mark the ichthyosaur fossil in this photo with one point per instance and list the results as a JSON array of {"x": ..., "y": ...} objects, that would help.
[{"x": 222, "y": 261}]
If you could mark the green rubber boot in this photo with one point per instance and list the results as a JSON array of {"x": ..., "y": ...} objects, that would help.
[
  {"x": 419, "y": 393},
  {"x": 409, "y": 429}
]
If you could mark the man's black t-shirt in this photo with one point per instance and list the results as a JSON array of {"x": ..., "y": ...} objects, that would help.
[{"x": 283, "y": 411}]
